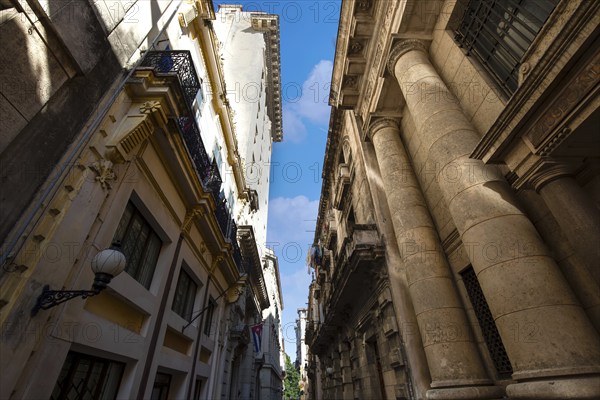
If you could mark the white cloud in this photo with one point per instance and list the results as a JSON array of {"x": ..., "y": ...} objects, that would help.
[
  {"x": 313, "y": 104},
  {"x": 310, "y": 104},
  {"x": 293, "y": 127},
  {"x": 292, "y": 219}
]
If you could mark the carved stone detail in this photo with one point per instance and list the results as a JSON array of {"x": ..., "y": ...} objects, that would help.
[
  {"x": 355, "y": 47},
  {"x": 150, "y": 106},
  {"x": 381, "y": 123},
  {"x": 402, "y": 47},
  {"x": 104, "y": 171},
  {"x": 364, "y": 5},
  {"x": 190, "y": 215}
]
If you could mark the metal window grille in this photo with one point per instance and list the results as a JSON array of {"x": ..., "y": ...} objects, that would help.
[
  {"x": 499, "y": 32},
  {"x": 487, "y": 324},
  {"x": 87, "y": 377}
]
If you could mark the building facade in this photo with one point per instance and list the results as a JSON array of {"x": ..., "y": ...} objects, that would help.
[
  {"x": 119, "y": 129},
  {"x": 302, "y": 350},
  {"x": 460, "y": 205}
]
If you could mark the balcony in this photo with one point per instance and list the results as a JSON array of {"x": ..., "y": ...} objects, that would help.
[{"x": 179, "y": 63}]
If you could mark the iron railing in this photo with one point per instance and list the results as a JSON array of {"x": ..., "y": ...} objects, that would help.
[{"x": 180, "y": 63}]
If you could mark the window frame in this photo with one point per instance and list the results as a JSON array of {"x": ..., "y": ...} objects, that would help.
[
  {"x": 72, "y": 363},
  {"x": 498, "y": 35},
  {"x": 146, "y": 258},
  {"x": 186, "y": 309},
  {"x": 210, "y": 311}
]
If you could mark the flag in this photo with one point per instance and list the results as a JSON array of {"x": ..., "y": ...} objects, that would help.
[{"x": 257, "y": 336}]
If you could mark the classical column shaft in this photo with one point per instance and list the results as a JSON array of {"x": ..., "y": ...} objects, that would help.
[
  {"x": 453, "y": 359},
  {"x": 520, "y": 280},
  {"x": 578, "y": 218}
]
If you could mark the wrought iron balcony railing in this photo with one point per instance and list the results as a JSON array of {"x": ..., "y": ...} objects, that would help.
[{"x": 180, "y": 64}]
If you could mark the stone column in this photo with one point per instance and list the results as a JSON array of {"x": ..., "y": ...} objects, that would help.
[
  {"x": 519, "y": 278},
  {"x": 454, "y": 362},
  {"x": 346, "y": 371},
  {"x": 575, "y": 213}
]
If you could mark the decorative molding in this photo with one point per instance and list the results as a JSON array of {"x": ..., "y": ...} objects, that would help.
[
  {"x": 402, "y": 47},
  {"x": 131, "y": 132},
  {"x": 452, "y": 242},
  {"x": 355, "y": 47},
  {"x": 383, "y": 38},
  {"x": 190, "y": 216},
  {"x": 382, "y": 123},
  {"x": 364, "y": 5},
  {"x": 554, "y": 142},
  {"x": 216, "y": 261},
  {"x": 104, "y": 173},
  {"x": 150, "y": 106},
  {"x": 269, "y": 25}
]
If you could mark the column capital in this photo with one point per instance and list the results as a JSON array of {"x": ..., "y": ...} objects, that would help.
[
  {"x": 402, "y": 47},
  {"x": 379, "y": 123},
  {"x": 547, "y": 172}
]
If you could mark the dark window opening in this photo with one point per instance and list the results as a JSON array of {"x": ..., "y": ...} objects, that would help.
[
  {"x": 499, "y": 32},
  {"x": 488, "y": 325},
  {"x": 87, "y": 377},
  {"x": 185, "y": 296},
  {"x": 160, "y": 390},
  {"x": 139, "y": 243},
  {"x": 210, "y": 311}
]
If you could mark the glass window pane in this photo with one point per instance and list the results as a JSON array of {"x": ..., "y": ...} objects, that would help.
[
  {"x": 148, "y": 264},
  {"x": 139, "y": 243},
  {"x": 87, "y": 377}
]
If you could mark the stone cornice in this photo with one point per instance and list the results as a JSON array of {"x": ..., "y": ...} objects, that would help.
[
  {"x": 330, "y": 152},
  {"x": 402, "y": 47},
  {"x": 381, "y": 123},
  {"x": 269, "y": 24}
]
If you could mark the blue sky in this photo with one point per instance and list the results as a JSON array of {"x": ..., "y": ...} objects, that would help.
[{"x": 308, "y": 33}]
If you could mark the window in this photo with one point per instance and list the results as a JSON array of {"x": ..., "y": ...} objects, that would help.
[
  {"x": 160, "y": 390},
  {"x": 498, "y": 33},
  {"x": 210, "y": 311},
  {"x": 87, "y": 377},
  {"x": 185, "y": 295},
  {"x": 139, "y": 243},
  {"x": 487, "y": 324},
  {"x": 198, "y": 389},
  {"x": 217, "y": 158}
]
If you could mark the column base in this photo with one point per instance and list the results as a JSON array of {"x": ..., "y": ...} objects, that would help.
[
  {"x": 466, "y": 393},
  {"x": 569, "y": 388}
]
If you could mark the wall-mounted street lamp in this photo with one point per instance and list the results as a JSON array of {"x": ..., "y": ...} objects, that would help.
[{"x": 107, "y": 264}]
